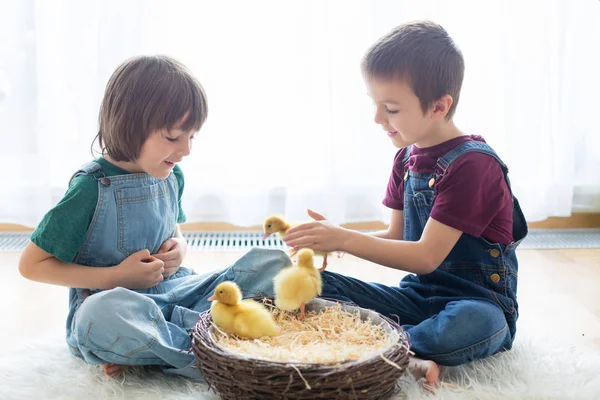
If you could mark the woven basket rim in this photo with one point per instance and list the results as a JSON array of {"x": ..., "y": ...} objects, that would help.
[
  {"x": 214, "y": 346},
  {"x": 234, "y": 375}
]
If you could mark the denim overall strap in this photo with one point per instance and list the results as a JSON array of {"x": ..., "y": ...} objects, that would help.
[
  {"x": 89, "y": 168},
  {"x": 443, "y": 163},
  {"x": 406, "y": 155}
]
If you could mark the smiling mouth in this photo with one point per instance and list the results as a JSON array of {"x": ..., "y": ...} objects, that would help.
[{"x": 392, "y": 134}]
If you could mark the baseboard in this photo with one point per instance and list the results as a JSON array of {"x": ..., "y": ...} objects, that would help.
[
  {"x": 14, "y": 228},
  {"x": 226, "y": 227},
  {"x": 576, "y": 220}
]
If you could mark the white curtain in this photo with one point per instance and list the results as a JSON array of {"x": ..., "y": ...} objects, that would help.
[{"x": 290, "y": 125}]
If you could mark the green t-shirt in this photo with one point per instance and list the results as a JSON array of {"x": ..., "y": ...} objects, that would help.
[{"x": 62, "y": 230}]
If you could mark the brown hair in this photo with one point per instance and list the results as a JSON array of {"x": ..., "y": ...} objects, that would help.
[
  {"x": 145, "y": 94},
  {"x": 422, "y": 54}
]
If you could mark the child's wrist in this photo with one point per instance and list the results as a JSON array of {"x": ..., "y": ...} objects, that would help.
[
  {"x": 112, "y": 277},
  {"x": 346, "y": 237}
]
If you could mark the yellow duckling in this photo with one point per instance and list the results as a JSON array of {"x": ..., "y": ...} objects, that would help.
[
  {"x": 277, "y": 224},
  {"x": 298, "y": 284},
  {"x": 245, "y": 318}
]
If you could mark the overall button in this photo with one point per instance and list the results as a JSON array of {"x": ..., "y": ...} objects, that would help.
[
  {"x": 406, "y": 175},
  {"x": 431, "y": 182},
  {"x": 105, "y": 181},
  {"x": 495, "y": 278},
  {"x": 494, "y": 253}
]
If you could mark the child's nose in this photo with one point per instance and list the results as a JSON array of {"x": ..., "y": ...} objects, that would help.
[
  {"x": 186, "y": 147},
  {"x": 379, "y": 117}
]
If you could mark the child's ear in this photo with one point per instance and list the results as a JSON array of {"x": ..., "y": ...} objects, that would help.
[{"x": 441, "y": 107}]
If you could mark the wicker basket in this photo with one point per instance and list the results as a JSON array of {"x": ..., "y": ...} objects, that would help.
[{"x": 239, "y": 377}]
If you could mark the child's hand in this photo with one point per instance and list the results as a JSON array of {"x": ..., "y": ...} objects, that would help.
[
  {"x": 139, "y": 271},
  {"x": 320, "y": 235},
  {"x": 172, "y": 252}
]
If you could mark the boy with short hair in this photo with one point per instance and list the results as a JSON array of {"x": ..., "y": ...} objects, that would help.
[{"x": 455, "y": 224}]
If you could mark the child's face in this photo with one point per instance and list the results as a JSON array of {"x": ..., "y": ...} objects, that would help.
[
  {"x": 163, "y": 149},
  {"x": 398, "y": 111}
]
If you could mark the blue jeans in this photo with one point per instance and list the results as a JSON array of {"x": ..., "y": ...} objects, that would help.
[
  {"x": 446, "y": 329},
  {"x": 151, "y": 327},
  {"x": 467, "y": 308}
]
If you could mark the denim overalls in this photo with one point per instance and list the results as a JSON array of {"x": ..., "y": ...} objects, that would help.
[
  {"x": 467, "y": 308},
  {"x": 151, "y": 326}
]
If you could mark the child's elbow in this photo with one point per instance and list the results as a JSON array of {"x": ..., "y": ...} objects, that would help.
[
  {"x": 31, "y": 261},
  {"x": 430, "y": 261},
  {"x": 26, "y": 268},
  {"x": 431, "y": 257},
  {"x": 428, "y": 266}
]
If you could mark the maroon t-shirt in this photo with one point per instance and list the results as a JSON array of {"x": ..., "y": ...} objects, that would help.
[{"x": 472, "y": 196}]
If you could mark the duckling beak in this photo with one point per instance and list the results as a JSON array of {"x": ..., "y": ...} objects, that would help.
[
  {"x": 212, "y": 298},
  {"x": 266, "y": 235}
]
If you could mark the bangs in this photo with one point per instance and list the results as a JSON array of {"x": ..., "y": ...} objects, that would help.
[
  {"x": 179, "y": 95},
  {"x": 146, "y": 94}
]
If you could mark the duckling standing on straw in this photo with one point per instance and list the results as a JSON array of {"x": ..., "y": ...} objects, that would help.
[
  {"x": 277, "y": 224},
  {"x": 298, "y": 284},
  {"x": 245, "y": 318}
]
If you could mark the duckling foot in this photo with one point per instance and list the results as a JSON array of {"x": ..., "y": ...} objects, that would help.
[
  {"x": 324, "y": 264},
  {"x": 292, "y": 253},
  {"x": 302, "y": 313}
]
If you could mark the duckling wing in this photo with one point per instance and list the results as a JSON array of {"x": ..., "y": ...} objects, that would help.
[
  {"x": 241, "y": 328},
  {"x": 295, "y": 286},
  {"x": 254, "y": 321}
]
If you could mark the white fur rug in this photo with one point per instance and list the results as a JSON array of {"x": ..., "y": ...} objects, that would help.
[{"x": 534, "y": 369}]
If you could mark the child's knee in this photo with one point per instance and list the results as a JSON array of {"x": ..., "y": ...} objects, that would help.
[
  {"x": 107, "y": 310},
  {"x": 261, "y": 262},
  {"x": 465, "y": 331},
  {"x": 266, "y": 258},
  {"x": 254, "y": 272},
  {"x": 456, "y": 353}
]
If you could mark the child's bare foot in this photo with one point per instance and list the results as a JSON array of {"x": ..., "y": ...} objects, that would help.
[
  {"x": 111, "y": 369},
  {"x": 425, "y": 368}
]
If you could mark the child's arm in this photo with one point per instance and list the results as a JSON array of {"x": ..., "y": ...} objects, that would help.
[
  {"x": 420, "y": 257},
  {"x": 138, "y": 271},
  {"x": 396, "y": 228},
  {"x": 394, "y": 231}
]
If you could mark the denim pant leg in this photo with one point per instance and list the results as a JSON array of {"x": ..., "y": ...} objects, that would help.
[
  {"x": 464, "y": 331},
  {"x": 124, "y": 327},
  {"x": 405, "y": 303},
  {"x": 254, "y": 272}
]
